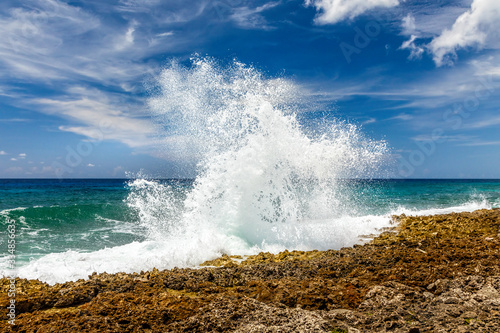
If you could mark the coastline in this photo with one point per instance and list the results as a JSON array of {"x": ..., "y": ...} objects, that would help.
[{"x": 428, "y": 274}]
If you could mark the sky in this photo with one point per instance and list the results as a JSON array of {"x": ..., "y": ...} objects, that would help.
[{"x": 422, "y": 75}]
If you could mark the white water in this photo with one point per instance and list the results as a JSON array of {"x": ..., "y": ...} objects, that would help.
[
  {"x": 261, "y": 178},
  {"x": 263, "y": 183},
  {"x": 178, "y": 251}
]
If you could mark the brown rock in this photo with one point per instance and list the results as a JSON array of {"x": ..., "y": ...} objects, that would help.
[{"x": 437, "y": 273}]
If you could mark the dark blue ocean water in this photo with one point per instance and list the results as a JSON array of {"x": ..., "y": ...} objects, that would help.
[{"x": 88, "y": 215}]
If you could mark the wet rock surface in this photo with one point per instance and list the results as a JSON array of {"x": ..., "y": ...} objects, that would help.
[{"x": 429, "y": 274}]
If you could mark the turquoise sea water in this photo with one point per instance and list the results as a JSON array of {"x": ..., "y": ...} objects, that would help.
[
  {"x": 65, "y": 229},
  {"x": 268, "y": 178}
]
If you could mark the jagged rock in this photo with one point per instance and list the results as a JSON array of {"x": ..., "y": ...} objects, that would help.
[{"x": 429, "y": 274}]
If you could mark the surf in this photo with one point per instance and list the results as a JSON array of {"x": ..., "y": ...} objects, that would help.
[{"x": 263, "y": 181}]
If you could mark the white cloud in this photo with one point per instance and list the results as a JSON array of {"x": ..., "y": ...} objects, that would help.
[
  {"x": 369, "y": 121},
  {"x": 126, "y": 41},
  {"x": 102, "y": 119},
  {"x": 448, "y": 138},
  {"x": 14, "y": 120},
  {"x": 135, "y": 3},
  {"x": 2, "y": 152},
  {"x": 90, "y": 165},
  {"x": 13, "y": 159},
  {"x": 59, "y": 45},
  {"x": 100, "y": 116},
  {"x": 481, "y": 143},
  {"x": 251, "y": 18},
  {"x": 430, "y": 20},
  {"x": 415, "y": 51},
  {"x": 135, "y": 6},
  {"x": 402, "y": 116},
  {"x": 488, "y": 122},
  {"x": 408, "y": 25},
  {"x": 478, "y": 27},
  {"x": 22, "y": 155},
  {"x": 334, "y": 11},
  {"x": 54, "y": 41},
  {"x": 165, "y": 34}
]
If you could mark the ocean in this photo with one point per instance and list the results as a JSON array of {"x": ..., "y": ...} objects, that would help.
[
  {"x": 270, "y": 175},
  {"x": 67, "y": 229}
]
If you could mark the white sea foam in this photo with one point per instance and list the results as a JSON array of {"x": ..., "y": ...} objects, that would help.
[
  {"x": 261, "y": 177},
  {"x": 182, "y": 251},
  {"x": 263, "y": 183},
  {"x": 5, "y": 212},
  {"x": 466, "y": 207}
]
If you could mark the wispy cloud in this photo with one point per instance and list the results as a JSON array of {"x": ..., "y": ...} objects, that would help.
[
  {"x": 481, "y": 143},
  {"x": 369, "y": 121},
  {"x": 487, "y": 122},
  {"x": 251, "y": 18},
  {"x": 415, "y": 51},
  {"x": 14, "y": 120},
  {"x": 402, "y": 116},
  {"x": 60, "y": 45},
  {"x": 135, "y": 6},
  {"x": 53, "y": 41},
  {"x": 448, "y": 138},
  {"x": 68, "y": 49},
  {"x": 100, "y": 116}
]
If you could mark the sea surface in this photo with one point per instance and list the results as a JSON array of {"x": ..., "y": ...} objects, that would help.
[
  {"x": 272, "y": 172},
  {"x": 66, "y": 229}
]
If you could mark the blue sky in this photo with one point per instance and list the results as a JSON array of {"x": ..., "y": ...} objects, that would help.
[{"x": 422, "y": 75}]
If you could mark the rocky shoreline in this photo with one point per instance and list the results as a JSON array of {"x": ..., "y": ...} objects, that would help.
[{"x": 429, "y": 274}]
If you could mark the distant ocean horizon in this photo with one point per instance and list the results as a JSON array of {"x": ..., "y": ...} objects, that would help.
[{"x": 68, "y": 228}]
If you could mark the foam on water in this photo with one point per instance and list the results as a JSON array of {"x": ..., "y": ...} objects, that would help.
[
  {"x": 181, "y": 251},
  {"x": 261, "y": 177},
  {"x": 469, "y": 206},
  {"x": 263, "y": 182}
]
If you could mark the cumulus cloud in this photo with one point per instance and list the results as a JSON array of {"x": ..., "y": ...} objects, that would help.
[
  {"x": 334, "y": 11},
  {"x": 478, "y": 26},
  {"x": 2, "y": 152}
]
